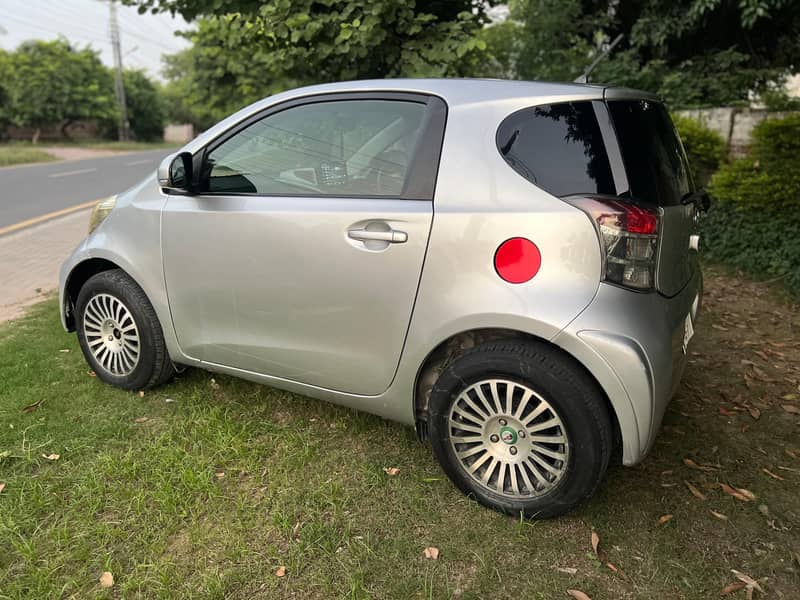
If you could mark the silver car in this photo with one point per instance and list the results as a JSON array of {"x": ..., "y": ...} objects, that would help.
[{"x": 510, "y": 267}]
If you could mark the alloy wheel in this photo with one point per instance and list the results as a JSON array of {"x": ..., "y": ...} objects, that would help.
[
  {"x": 111, "y": 334},
  {"x": 508, "y": 438}
]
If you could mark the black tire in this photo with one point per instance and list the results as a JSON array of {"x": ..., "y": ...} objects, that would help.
[
  {"x": 572, "y": 394},
  {"x": 154, "y": 366}
]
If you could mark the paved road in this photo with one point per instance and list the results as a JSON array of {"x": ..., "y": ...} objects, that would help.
[{"x": 32, "y": 191}]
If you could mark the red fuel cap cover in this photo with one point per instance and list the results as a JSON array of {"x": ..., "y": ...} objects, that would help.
[{"x": 517, "y": 260}]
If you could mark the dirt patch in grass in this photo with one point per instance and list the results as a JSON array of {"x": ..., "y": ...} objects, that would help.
[{"x": 304, "y": 485}]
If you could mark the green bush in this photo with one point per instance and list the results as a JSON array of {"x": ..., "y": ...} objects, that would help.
[
  {"x": 776, "y": 142},
  {"x": 763, "y": 241},
  {"x": 754, "y": 223},
  {"x": 705, "y": 148}
]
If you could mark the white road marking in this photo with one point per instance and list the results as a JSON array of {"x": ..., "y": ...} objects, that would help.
[
  {"x": 69, "y": 173},
  {"x": 139, "y": 162}
]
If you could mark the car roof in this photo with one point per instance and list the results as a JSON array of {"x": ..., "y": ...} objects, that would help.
[{"x": 455, "y": 92}]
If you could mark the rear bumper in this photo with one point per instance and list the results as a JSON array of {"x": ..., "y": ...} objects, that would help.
[{"x": 633, "y": 344}]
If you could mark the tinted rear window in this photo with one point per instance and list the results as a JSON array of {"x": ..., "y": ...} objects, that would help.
[
  {"x": 558, "y": 147},
  {"x": 653, "y": 156}
]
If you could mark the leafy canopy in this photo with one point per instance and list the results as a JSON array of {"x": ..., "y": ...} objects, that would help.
[
  {"x": 52, "y": 83},
  {"x": 692, "y": 52},
  {"x": 245, "y": 50}
]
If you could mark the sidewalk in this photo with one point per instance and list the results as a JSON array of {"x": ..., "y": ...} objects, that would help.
[{"x": 30, "y": 260}]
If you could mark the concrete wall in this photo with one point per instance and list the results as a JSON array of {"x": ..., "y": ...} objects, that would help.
[{"x": 735, "y": 125}]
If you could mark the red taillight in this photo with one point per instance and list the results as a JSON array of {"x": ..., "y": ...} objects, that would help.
[
  {"x": 517, "y": 260},
  {"x": 628, "y": 236}
]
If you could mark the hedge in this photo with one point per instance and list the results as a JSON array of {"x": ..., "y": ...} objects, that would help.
[
  {"x": 754, "y": 222},
  {"x": 705, "y": 148}
]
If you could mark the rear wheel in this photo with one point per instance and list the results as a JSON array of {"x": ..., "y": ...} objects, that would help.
[
  {"x": 119, "y": 333},
  {"x": 521, "y": 428}
]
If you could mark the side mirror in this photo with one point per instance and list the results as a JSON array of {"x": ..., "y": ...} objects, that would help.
[{"x": 175, "y": 173}]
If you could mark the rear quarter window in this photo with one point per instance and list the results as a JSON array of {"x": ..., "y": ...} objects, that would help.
[
  {"x": 651, "y": 150},
  {"x": 558, "y": 147}
]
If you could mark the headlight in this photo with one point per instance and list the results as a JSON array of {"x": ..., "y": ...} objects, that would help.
[{"x": 100, "y": 211}]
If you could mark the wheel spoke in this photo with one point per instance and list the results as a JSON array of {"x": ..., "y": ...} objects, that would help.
[
  {"x": 465, "y": 426},
  {"x": 472, "y": 451},
  {"x": 479, "y": 392},
  {"x": 487, "y": 474},
  {"x": 547, "y": 466},
  {"x": 469, "y": 402},
  {"x": 547, "y": 452},
  {"x": 479, "y": 462},
  {"x": 549, "y": 424},
  {"x": 467, "y": 415},
  {"x": 501, "y": 477}
]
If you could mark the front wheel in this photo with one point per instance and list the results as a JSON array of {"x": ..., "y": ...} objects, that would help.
[
  {"x": 521, "y": 428},
  {"x": 119, "y": 332}
]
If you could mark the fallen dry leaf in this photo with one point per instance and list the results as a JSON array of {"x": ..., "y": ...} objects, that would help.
[
  {"x": 431, "y": 552},
  {"x": 579, "y": 595},
  {"x": 281, "y": 572},
  {"x": 391, "y": 471},
  {"x": 725, "y": 411},
  {"x": 719, "y": 515},
  {"x": 219, "y": 475},
  {"x": 795, "y": 454},
  {"x": 754, "y": 412},
  {"x": 664, "y": 519},
  {"x": 748, "y": 581},
  {"x": 106, "y": 579},
  {"x": 695, "y": 492},
  {"x": 141, "y": 394},
  {"x": 51, "y": 456},
  {"x": 595, "y": 541},
  {"x": 738, "y": 493},
  {"x": 693, "y": 465},
  {"x": 789, "y": 397},
  {"x": 731, "y": 587},
  {"x": 2, "y": 487},
  {"x": 91, "y": 373},
  {"x": 32, "y": 407},
  {"x": 141, "y": 419},
  {"x": 791, "y": 409},
  {"x": 567, "y": 570},
  {"x": 773, "y": 475}
]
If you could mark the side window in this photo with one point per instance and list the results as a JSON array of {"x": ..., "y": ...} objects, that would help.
[
  {"x": 559, "y": 147},
  {"x": 338, "y": 148}
]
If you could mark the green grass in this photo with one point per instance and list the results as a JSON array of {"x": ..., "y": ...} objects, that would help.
[
  {"x": 124, "y": 146},
  {"x": 14, "y": 155},
  {"x": 304, "y": 486}
]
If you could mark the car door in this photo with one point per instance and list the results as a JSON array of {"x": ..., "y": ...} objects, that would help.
[{"x": 301, "y": 254}]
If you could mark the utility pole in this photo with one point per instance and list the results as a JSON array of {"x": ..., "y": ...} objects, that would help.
[{"x": 119, "y": 85}]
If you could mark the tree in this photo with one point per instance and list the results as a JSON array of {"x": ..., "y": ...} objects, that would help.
[
  {"x": 145, "y": 106},
  {"x": 5, "y": 93},
  {"x": 265, "y": 47},
  {"x": 693, "y": 52},
  {"x": 52, "y": 84}
]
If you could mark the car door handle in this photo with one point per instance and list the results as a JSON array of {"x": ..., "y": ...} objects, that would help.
[{"x": 392, "y": 236}]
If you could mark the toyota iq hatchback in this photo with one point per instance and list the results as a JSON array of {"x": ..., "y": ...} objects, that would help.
[{"x": 510, "y": 267}]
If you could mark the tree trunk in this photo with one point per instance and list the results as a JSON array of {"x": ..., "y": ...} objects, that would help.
[
  {"x": 64, "y": 133},
  {"x": 36, "y": 135}
]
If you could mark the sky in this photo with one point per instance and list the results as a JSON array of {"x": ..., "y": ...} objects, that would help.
[{"x": 144, "y": 38}]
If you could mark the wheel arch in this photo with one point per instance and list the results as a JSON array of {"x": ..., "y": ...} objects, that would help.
[
  {"x": 455, "y": 345},
  {"x": 78, "y": 276}
]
